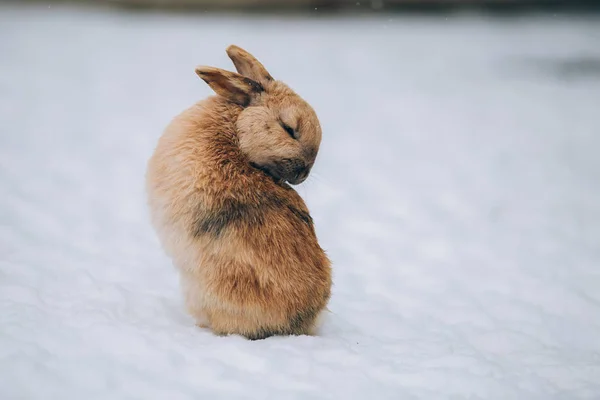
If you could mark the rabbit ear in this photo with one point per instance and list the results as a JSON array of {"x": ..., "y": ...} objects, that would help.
[
  {"x": 234, "y": 87},
  {"x": 247, "y": 65}
]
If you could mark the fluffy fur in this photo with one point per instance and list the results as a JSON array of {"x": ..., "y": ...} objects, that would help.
[{"x": 241, "y": 238}]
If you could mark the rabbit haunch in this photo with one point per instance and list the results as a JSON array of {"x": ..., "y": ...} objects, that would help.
[{"x": 241, "y": 238}]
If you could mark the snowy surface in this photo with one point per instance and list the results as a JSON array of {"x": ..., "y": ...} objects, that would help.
[{"x": 457, "y": 192}]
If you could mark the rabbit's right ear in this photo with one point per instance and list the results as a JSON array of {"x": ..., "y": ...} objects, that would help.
[
  {"x": 247, "y": 65},
  {"x": 234, "y": 87}
]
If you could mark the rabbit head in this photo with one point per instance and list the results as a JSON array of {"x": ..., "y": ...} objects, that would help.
[{"x": 277, "y": 130}]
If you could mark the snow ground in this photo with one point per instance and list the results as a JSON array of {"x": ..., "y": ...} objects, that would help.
[{"x": 457, "y": 192}]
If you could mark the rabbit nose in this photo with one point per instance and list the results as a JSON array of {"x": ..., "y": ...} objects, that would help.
[
  {"x": 304, "y": 173},
  {"x": 300, "y": 169},
  {"x": 301, "y": 173}
]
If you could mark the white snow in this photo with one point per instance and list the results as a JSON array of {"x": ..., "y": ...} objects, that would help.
[{"x": 457, "y": 192}]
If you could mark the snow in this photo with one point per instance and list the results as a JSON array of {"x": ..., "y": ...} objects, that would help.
[{"x": 456, "y": 191}]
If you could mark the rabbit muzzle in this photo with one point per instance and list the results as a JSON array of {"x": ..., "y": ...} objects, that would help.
[{"x": 294, "y": 171}]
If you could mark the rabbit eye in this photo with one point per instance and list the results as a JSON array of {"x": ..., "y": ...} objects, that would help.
[{"x": 289, "y": 130}]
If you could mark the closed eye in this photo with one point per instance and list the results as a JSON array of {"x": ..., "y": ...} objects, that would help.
[{"x": 289, "y": 130}]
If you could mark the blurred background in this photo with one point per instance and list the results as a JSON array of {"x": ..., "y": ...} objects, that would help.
[
  {"x": 342, "y": 5},
  {"x": 457, "y": 192}
]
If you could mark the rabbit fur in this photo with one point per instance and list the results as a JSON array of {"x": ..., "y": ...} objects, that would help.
[{"x": 240, "y": 236}]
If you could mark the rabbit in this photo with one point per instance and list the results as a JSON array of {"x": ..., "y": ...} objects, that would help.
[{"x": 222, "y": 205}]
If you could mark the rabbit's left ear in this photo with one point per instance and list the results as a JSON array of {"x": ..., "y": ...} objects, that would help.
[
  {"x": 247, "y": 65},
  {"x": 234, "y": 87}
]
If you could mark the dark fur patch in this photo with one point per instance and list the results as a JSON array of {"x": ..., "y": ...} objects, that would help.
[
  {"x": 234, "y": 212},
  {"x": 264, "y": 333},
  {"x": 302, "y": 320},
  {"x": 256, "y": 87},
  {"x": 214, "y": 222},
  {"x": 304, "y": 216},
  {"x": 298, "y": 325}
]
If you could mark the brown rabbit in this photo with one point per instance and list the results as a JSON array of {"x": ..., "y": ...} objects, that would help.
[{"x": 241, "y": 238}]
